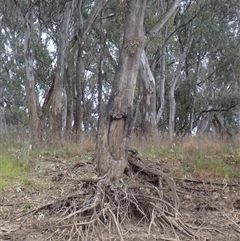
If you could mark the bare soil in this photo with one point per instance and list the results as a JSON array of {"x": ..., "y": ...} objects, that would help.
[{"x": 34, "y": 211}]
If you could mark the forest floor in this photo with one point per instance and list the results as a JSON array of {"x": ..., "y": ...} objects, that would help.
[{"x": 33, "y": 210}]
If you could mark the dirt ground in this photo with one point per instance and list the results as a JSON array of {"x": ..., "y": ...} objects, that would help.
[{"x": 30, "y": 211}]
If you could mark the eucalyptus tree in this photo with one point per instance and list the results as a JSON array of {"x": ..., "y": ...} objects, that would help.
[
  {"x": 217, "y": 45},
  {"x": 174, "y": 82},
  {"x": 149, "y": 97},
  {"x": 27, "y": 15},
  {"x": 85, "y": 17},
  {"x": 116, "y": 123},
  {"x": 60, "y": 68},
  {"x": 13, "y": 69},
  {"x": 3, "y": 125}
]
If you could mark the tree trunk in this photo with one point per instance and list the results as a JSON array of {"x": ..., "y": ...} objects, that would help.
[
  {"x": 197, "y": 76},
  {"x": 206, "y": 121},
  {"x": 30, "y": 82},
  {"x": 162, "y": 83},
  {"x": 69, "y": 93},
  {"x": 149, "y": 97},
  {"x": 79, "y": 79},
  {"x": 100, "y": 68},
  {"x": 83, "y": 29},
  {"x": 172, "y": 102},
  {"x": 115, "y": 125},
  {"x": 58, "y": 86},
  {"x": 3, "y": 125}
]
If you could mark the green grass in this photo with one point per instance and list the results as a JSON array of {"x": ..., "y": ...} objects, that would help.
[
  {"x": 203, "y": 157},
  {"x": 11, "y": 170}
]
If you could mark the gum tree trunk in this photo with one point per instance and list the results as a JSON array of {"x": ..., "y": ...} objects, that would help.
[
  {"x": 29, "y": 48},
  {"x": 3, "y": 125},
  {"x": 83, "y": 28},
  {"x": 58, "y": 86},
  {"x": 115, "y": 125},
  {"x": 172, "y": 101},
  {"x": 149, "y": 97}
]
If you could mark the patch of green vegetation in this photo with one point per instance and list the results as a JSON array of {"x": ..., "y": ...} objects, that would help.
[
  {"x": 204, "y": 157},
  {"x": 210, "y": 165},
  {"x": 11, "y": 170},
  {"x": 163, "y": 153}
]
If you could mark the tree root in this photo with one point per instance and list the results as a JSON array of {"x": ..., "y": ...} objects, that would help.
[{"x": 146, "y": 200}]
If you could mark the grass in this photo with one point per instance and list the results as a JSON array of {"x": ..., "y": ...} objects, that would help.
[
  {"x": 18, "y": 160},
  {"x": 11, "y": 170},
  {"x": 203, "y": 157}
]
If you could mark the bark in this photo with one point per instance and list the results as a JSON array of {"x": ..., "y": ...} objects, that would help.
[
  {"x": 115, "y": 125},
  {"x": 162, "y": 83},
  {"x": 149, "y": 97},
  {"x": 30, "y": 85},
  {"x": 29, "y": 49},
  {"x": 100, "y": 68},
  {"x": 83, "y": 29},
  {"x": 79, "y": 80},
  {"x": 197, "y": 76},
  {"x": 3, "y": 125},
  {"x": 58, "y": 86},
  {"x": 69, "y": 93},
  {"x": 164, "y": 19},
  {"x": 206, "y": 120},
  {"x": 174, "y": 81}
]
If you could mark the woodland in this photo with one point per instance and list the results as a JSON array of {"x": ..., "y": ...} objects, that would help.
[{"x": 118, "y": 70}]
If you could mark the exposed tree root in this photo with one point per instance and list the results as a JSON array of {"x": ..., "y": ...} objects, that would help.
[{"x": 146, "y": 199}]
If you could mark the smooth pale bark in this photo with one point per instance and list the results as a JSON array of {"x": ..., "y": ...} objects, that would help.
[
  {"x": 149, "y": 97},
  {"x": 29, "y": 49},
  {"x": 197, "y": 76},
  {"x": 58, "y": 86},
  {"x": 3, "y": 125},
  {"x": 150, "y": 116},
  {"x": 30, "y": 85},
  {"x": 206, "y": 120},
  {"x": 83, "y": 29},
  {"x": 162, "y": 83},
  {"x": 115, "y": 125},
  {"x": 174, "y": 81},
  {"x": 164, "y": 19}
]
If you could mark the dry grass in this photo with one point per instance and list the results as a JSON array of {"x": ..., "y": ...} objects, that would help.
[{"x": 202, "y": 156}]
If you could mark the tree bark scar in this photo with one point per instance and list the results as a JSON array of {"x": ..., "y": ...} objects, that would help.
[{"x": 116, "y": 135}]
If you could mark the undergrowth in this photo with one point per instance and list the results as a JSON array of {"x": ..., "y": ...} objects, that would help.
[
  {"x": 203, "y": 157},
  {"x": 11, "y": 170}
]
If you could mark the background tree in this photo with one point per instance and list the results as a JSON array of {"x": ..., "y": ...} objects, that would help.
[
  {"x": 60, "y": 71},
  {"x": 94, "y": 45},
  {"x": 3, "y": 125}
]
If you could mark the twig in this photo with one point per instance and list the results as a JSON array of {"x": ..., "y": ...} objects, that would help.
[
  {"x": 116, "y": 223},
  {"x": 152, "y": 222},
  {"x": 209, "y": 182}
]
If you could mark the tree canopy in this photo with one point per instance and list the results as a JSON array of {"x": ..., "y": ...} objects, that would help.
[{"x": 193, "y": 61}]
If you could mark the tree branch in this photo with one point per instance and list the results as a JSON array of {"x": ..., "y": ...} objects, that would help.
[
  {"x": 215, "y": 110},
  {"x": 163, "y": 19}
]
